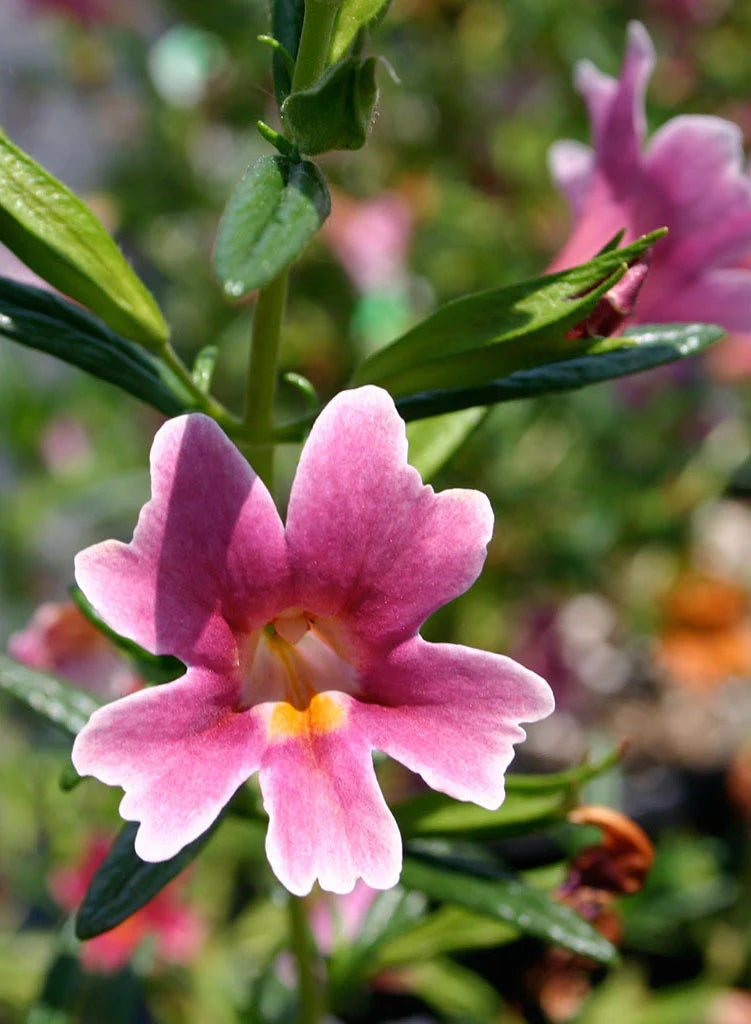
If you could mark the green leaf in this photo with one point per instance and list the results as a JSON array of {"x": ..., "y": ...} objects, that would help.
[
  {"x": 335, "y": 112},
  {"x": 286, "y": 27},
  {"x": 481, "y": 337},
  {"x": 448, "y": 929},
  {"x": 155, "y": 668},
  {"x": 354, "y": 960},
  {"x": 59, "y": 238},
  {"x": 456, "y": 992},
  {"x": 532, "y": 802},
  {"x": 434, "y": 440},
  {"x": 124, "y": 882},
  {"x": 49, "y": 323},
  {"x": 352, "y": 16},
  {"x": 58, "y": 702},
  {"x": 506, "y": 899},
  {"x": 271, "y": 216},
  {"x": 644, "y": 347},
  {"x": 433, "y": 814}
]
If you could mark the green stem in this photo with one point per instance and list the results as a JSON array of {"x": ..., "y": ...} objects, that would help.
[
  {"x": 317, "y": 26},
  {"x": 207, "y": 403},
  {"x": 311, "y": 1003},
  {"x": 261, "y": 381}
]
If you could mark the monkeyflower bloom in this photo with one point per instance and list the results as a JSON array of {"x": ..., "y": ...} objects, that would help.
[
  {"x": 302, "y": 647},
  {"x": 176, "y": 930},
  {"x": 689, "y": 178}
]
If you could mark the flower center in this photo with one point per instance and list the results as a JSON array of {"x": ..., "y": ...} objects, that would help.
[{"x": 293, "y": 669}]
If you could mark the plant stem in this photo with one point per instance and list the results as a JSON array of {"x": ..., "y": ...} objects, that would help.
[
  {"x": 261, "y": 380},
  {"x": 311, "y": 1003},
  {"x": 314, "y": 41},
  {"x": 207, "y": 403}
]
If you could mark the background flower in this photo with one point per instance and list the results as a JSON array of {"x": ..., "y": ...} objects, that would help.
[{"x": 689, "y": 178}]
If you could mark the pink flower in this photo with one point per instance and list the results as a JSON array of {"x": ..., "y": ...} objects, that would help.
[
  {"x": 689, "y": 178},
  {"x": 177, "y": 930},
  {"x": 371, "y": 238},
  {"x": 302, "y": 647},
  {"x": 336, "y": 920},
  {"x": 61, "y": 640}
]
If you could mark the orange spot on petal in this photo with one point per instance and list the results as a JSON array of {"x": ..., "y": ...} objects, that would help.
[{"x": 322, "y": 715}]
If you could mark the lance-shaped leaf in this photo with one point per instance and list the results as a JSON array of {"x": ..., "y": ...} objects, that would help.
[
  {"x": 124, "y": 883},
  {"x": 352, "y": 16},
  {"x": 644, "y": 347},
  {"x": 481, "y": 337},
  {"x": 336, "y": 111},
  {"x": 286, "y": 27},
  {"x": 433, "y": 441},
  {"x": 59, "y": 238},
  {"x": 58, "y": 702},
  {"x": 49, "y": 323},
  {"x": 271, "y": 216},
  {"x": 483, "y": 889},
  {"x": 532, "y": 802}
]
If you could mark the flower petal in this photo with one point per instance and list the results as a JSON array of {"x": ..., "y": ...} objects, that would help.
[
  {"x": 207, "y": 558},
  {"x": 179, "y": 751},
  {"x": 327, "y": 816},
  {"x": 570, "y": 164},
  {"x": 617, "y": 108},
  {"x": 452, "y": 714},
  {"x": 720, "y": 296},
  {"x": 696, "y": 185},
  {"x": 369, "y": 543}
]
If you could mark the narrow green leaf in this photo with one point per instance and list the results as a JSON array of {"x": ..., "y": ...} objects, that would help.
[
  {"x": 448, "y": 929},
  {"x": 59, "y": 238},
  {"x": 49, "y": 323},
  {"x": 124, "y": 882},
  {"x": 156, "y": 668},
  {"x": 353, "y": 960},
  {"x": 58, "y": 702},
  {"x": 507, "y": 899},
  {"x": 286, "y": 27},
  {"x": 433, "y": 441},
  {"x": 455, "y": 991},
  {"x": 433, "y": 814},
  {"x": 532, "y": 802},
  {"x": 644, "y": 347},
  {"x": 480, "y": 338},
  {"x": 271, "y": 216},
  {"x": 352, "y": 16},
  {"x": 335, "y": 112},
  {"x": 203, "y": 368}
]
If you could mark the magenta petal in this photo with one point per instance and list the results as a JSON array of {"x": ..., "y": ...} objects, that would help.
[
  {"x": 207, "y": 559},
  {"x": 452, "y": 714},
  {"x": 695, "y": 183},
  {"x": 327, "y": 816},
  {"x": 617, "y": 108},
  {"x": 179, "y": 751},
  {"x": 571, "y": 165},
  {"x": 721, "y": 296},
  {"x": 368, "y": 542}
]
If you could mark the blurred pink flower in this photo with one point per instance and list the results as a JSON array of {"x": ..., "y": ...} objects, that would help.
[
  {"x": 689, "y": 177},
  {"x": 370, "y": 238},
  {"x": 302, "y": 645},
  {"x": 61, "y": 640},
  {"x": 338, "y": 919},
  {"x": 177, "y": 930}
]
